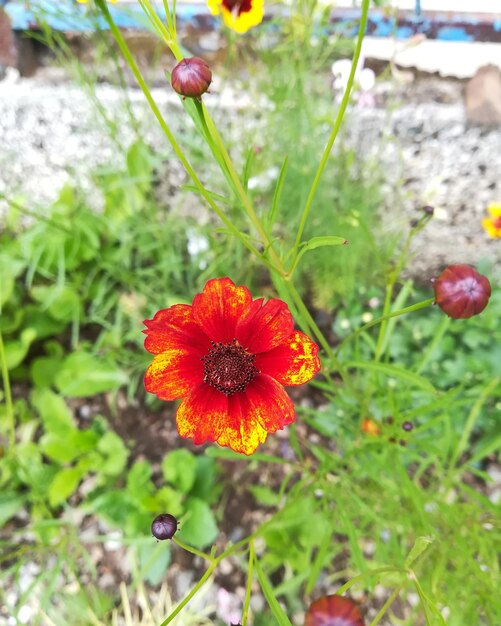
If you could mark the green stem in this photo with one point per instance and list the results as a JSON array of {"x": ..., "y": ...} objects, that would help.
[
  {"x": 386, "y": 606},
  {"x": 248, "y": 589},
  {"x": 156, "y": 111},
  {"x": 192, "y": 550},
  {"x": 470, "y": 424},
  {"x": 193, "y": 592},
  {"x": 368, "y": 574},
  {"x": 378, "y": 320},
  {"x": 335, "y": 129},
  {"x": 8, "y": 397},
  {"x": 439, "y": 333}
]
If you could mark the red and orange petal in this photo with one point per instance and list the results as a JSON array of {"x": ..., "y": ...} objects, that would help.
[
  {"x": 239, "y": 15},
  {"x": 241, "y": 421},
  {"x": 294, "y": 362},
  {"x": 174, "y": 328},
  {"x": 265, "y": 326},
  {"x": 220, "y": 307},
  {"x": 173, "y": 374},
  {"x": 333, "y": 611},
  {"x": 492, "y": 224}
]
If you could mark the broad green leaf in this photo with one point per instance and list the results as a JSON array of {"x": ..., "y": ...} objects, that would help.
[
  {"x": 55, "y": 414},
  {"x": 420, "y": 545},
  {"x": 65, "y": 483},
  {"x": 111, "y": 446},
  {"x": 179, "y": 469},
  {"x": 16, "y": 351},
  {"x": 66, "y": 447},
  {"x": 10, "y": 503},
  {"x": 139, "y": 479},
  {"x": 83, "y": 374},
  {"x": 394, "y": 371},
  {"x": 44, "y": 370},
  {"x": 278, "y": 612},
  {"x": 199, "y": 529},
  {"x": 62, "y": 303}
]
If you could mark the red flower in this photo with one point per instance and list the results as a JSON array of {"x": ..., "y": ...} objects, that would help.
[
  {"x": 461, "y": 292},
  {"x": 228, "y": 356},
  {"x": 333, "y": 611}
]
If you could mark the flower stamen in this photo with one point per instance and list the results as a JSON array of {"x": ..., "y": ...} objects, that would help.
[{"x": 229, "y": 368}]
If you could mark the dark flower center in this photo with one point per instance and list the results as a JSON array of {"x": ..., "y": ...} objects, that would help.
[
  {"x": 228, "y": 367},
  {"x": 238, "y": 6}
]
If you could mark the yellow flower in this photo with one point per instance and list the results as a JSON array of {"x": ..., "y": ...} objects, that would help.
[
  {"x": 240, "y": 15},
  {"x": 492, "y": 224}
]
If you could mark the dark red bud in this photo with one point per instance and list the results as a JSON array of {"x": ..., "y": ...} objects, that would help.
[
  {"x": 191, "y": 77},
  {"x": 461, "y": 292},
  {"x": 333, "y": 611},
  {"x": 408, "y": 426},
  {"x": 164, "y": 526},
  {"x": 429, "y": 210}
]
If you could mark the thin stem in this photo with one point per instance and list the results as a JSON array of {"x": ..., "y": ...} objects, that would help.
[
  {"x": 193, "y": 592},
  {"x": 156, "y": 111},
  {"x": 470, "y": 424},
  {"x": 360, "y": 577},
  {"x": 192, "y": 550},
  {"x": 8, "y": 397},
  {"x": 386, "y": 606},
  {"x": 335, "y": 129},
  {"x": 439, "y": 333},
  {"x": 248, "y": 589},
  {"x": 378, "y": 320}
]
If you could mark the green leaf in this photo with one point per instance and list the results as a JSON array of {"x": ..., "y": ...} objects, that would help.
[
  {"x": 420, "y": 545},
  {"x": 111, "y": 446},
  {"x": 394, "y": 371},
  {"x": 154, "y": 559},
  {"x": 317, "y": 242},
  {"x": 55, "y": 414},
  {"x": 68, "y": 447},
  {"x": 44, "y": 370},
  {"x": 62, "y": 303},
  {"x": 179, "y": 469},
  {"x": 264, "y": 495},
  {"x": 199, "y": 529},
  {"x": 10, "y": 504},
  {"x": 278, "y": 612},
  {"x": 16, "y": 351},
  {"x": 278, "y": 192},
  {"x": 64, "y": 483},
  {"x": 83, "y": 374},
  {"x": 9, "y": 270},
  {"x": 139, "y": 479}
]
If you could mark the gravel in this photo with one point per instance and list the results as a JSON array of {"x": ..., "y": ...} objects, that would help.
[{"x": 50, "y": 134}]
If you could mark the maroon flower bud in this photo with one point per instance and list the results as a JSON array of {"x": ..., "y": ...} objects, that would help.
[
  {"x": 333, "y": 611},
  {"x": 461, "y": 292},
  {"x": 164, "y": 526},
  {"x": 408, "y": 426},
  {"x": 191, "y": 77},
  {"x": 429, "y": 210}
]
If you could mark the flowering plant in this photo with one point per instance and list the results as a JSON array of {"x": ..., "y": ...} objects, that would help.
[{"x": 227, "y": 356}]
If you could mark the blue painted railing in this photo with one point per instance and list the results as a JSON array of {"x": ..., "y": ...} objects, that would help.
[{"x": 68, "y": 15}]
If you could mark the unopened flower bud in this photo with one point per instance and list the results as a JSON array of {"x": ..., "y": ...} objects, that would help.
[
  {"x": 191, "y": 77},
  {"x": 407, "y": 426},
  {"x": 429, "y": 210},
  {"x": 164, "y": 526},
  {"x": 333, "y": 610},
  {"x": 461, "y": 292}
]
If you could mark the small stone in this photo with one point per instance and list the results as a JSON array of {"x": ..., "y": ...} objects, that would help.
[{"x": 483, "y": 97}]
